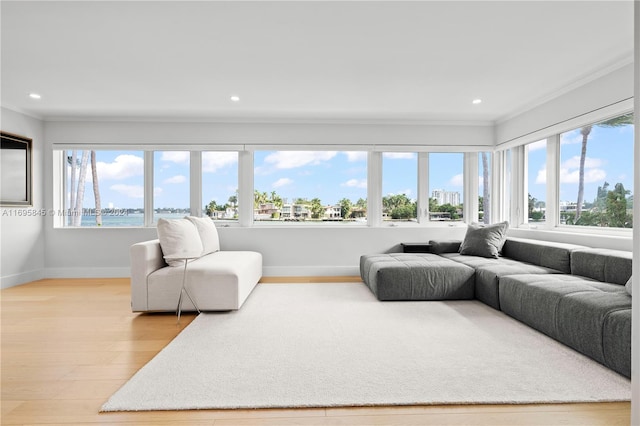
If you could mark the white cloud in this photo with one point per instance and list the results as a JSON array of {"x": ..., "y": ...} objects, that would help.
[
  {"x": 178, "y": 157},
  {"x": 574, "y": 163},
  {"x": 213, "y": 161},
  {"x": 175, "y": 179},
  {"x": 590, "y": 175},
  {"x": 355, "y": 183},
  {"x": 353, "y": 156},
  {"x": 571, "y": 138},
  {"x": 123, "y": 166},
  {"x": 457, "y": 180},
  {"x": 282, "y": 182},
  {"x": 399, "y": 155},
  {"x": 293, "y": 159},
  {"x": 131, "y": 191},
  {"x": 570, "y": 171}
]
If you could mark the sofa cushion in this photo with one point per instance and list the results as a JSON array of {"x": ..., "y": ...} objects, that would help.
[
  {"x": 543, "y": 253},
  {"x": 535, "y": 299},
  {"x": 581, "y": 317},
  {"x": 208, "y": 234},
  {"x": 445, "y": 246},
  {"x": 178, "y": 238},
  {"x": 610, "y": 266},
  {"x": 424, "y": 276},
  {"x": 485, "y": 241},
  {"x": 489, "y": 272},
  {"x": 616, "y": 339},
  {"x": 218, "y": 281}
]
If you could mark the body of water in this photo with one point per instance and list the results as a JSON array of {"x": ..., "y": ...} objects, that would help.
[{"x": 131, "y": 219}]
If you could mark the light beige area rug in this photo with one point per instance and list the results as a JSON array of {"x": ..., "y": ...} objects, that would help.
[{"x": 316, "y": 345}]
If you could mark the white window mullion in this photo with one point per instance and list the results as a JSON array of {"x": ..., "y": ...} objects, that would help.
[
  {"x": 195, "y": 184},
  {"x": 470, "y": 205},
  {"x": 553, "y": 180},
  {"x": 148, "y": 188},
  {"x": 518, "y": 198},
  {"x": 423, "y": 187},
  {"x": 245, "y": 188},
  {"x": 59, "y": 188},
  {"x": 374, "y": 189},
  {"x": 498, "y": 186}
]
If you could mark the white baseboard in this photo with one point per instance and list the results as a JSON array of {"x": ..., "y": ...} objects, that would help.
[
  {"x": 21, "y": 278},
  {"x": 267, "y": 271},
  {"x": 310, "y": 271},
  {"x": 88, "y": 272}
]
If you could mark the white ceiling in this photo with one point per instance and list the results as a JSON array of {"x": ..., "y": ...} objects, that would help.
[{"x": 302, "y": 60}]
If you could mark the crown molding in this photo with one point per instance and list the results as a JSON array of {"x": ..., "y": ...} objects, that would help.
[
  {"x": 23, "y": 112},
  {"x": 270, "y": 120},
  {"x": 576, "y": 83}
]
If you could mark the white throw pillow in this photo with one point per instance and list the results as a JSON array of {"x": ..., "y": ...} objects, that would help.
[
  {"x": 208, "y": 233},
  {"x": 178, "y": 238},
  {"x": 628, "y": 285}
]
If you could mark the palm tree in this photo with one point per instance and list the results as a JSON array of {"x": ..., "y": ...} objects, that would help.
[
  {"x": 74, "y": 160},
  {"x": 619, "y": 121},
  {"x": 486, "y": 201},
  {"x": 82, "y": 176},
  {"x": 96, "y": 189}
]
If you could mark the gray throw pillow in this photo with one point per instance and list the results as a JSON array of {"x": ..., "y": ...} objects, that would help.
[
  {"x": 628, "y": 285},
  {"x": 484, "y": 240}
]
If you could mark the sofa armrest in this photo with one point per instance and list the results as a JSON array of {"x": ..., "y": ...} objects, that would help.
[
  {"x": 445, "y": 246},
  {"x": 146, "y": 257}
]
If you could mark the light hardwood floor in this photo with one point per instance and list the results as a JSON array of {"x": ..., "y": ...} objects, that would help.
[{"x": 68, "y": 344}]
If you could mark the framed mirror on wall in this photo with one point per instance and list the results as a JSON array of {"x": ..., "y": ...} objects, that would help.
[{"x": 15, "y": 170}]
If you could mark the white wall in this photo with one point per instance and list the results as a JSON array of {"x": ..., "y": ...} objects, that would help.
[
  {"x": 635, "y": 315},
  {"x": 612, "y": 91},
  {"x": 22, "y": 256},
  {"x": 287, "y": 251},
  {"x": 189, "y": 133}
]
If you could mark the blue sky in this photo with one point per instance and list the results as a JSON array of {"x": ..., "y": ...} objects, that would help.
[
  {"x": 609, "y": 158},
  {"x": 328, "y": 175}
]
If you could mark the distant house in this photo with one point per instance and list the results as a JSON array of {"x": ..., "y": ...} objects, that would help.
[
  {"x": 333, "y": 212},
  {"x": 266, "y": 211}
]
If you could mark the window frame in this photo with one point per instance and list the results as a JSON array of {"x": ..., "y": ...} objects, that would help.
[
  {"x": 519, "y": 193},
  {"x": 246, "y": 180}
]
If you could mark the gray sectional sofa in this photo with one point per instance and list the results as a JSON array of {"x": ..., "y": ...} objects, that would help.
[{"x": 572, "y": 293}]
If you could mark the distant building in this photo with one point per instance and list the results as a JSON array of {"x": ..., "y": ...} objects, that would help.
[
  {"x": 265, "y": 211},
  {"x": 295, "y": 211},
  {"x": 446, "y": 197},
  {"x": 333, "y": 212},
  {"x": 569, "y": 206}
]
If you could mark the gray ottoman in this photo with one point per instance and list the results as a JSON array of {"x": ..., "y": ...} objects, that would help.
[{"x": 413, "y": 276}]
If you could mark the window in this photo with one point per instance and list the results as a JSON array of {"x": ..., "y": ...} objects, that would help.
[
  {"x": 484, "y": 187},
  {"x": 536, "y": 157},
  {"x": 310, "y": 186},
  {"x": 399, "y": 186},
  {"x": 596, "y": 174},
  {"x": 171, "y": 184},
  {"x": 104, "y": 188},
  {"x": 220, "y": 185},
  {"x": 446, "y": 181}
]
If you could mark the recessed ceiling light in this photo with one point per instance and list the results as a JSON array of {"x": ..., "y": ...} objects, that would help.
[
  {"x": 235, "y": 98},
  {"x": 476, "y": 101},
  {"x": 35, "y": 96}
]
